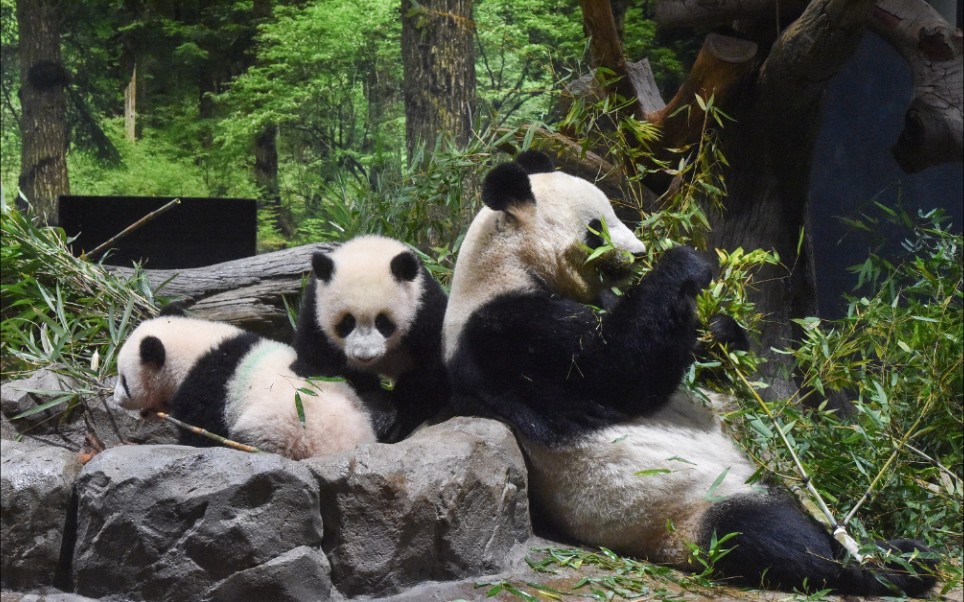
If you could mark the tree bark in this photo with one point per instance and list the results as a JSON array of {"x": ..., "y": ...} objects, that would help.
[
  {"x": 250, "y": 292},
  {"x": 934, "y": 123},
  {"x": 43, "y": 123},
  {"x": 266, "y": 178},
  {"x": 438, "y": 59}
]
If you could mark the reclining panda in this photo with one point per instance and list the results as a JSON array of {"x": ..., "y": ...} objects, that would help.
[{"x": 595, "y": 398}]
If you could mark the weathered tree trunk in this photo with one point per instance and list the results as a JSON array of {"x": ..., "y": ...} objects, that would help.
[
  {"x": 249, "y": 292},
  {"x": 934, "y": 124},
  {"x": 438, "y": 59},
  {"x": 43, "y": 123}
]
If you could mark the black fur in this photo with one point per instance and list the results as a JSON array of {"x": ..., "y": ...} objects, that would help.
[
  {"x": 534, "y": 162},
  {"x": 201, "y": 398},
  {"x": 322, "y": 266},
  {"x": 781, "y": 547},
  {"x": 507, "y": 186},
  {"x": 152, "y": 351},
  {"x": 556, "y": 370},
  {"x": 404, "y": 267},
  {"x": 418, "y": 394},
  {"x": 176, "y": 308}
]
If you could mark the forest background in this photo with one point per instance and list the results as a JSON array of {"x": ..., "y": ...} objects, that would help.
[{"x": 309, "y": 108}]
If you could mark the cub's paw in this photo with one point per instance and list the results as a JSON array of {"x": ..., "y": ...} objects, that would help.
[
  {"x": 917, "y": 580},
  {"x": 689, "y": 268}
]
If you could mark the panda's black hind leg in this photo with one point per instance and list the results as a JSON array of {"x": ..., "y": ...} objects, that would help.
[{"x": 780, "y": 547}]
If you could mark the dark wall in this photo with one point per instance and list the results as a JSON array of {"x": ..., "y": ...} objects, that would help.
[
  {"x": 197, "y": 232},
  {"x": 853, "y": 167}
]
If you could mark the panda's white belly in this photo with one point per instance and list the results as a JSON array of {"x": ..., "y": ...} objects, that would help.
[{"x": 620, "y": 486}]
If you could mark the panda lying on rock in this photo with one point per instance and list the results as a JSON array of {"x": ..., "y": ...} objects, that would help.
[
  {"x": 596, "y": 398},
  {"x": 235, "y": 384}
]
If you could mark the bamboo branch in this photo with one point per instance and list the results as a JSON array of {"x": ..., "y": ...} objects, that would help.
[
  {"x": 199, "y": 431},
  {"x": 106, "y": 245},
  {"x": 839, "y": 529}
]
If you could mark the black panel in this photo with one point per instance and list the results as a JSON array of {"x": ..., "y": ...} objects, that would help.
[{"x": 198, "y": 232}]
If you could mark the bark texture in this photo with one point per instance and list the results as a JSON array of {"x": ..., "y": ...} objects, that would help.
[
  {"x": 933, "y": 125},
  {"x": 438, "y": 56},
  {"x": 43, "y": 123},
  {"x": 249, "y": 292}
]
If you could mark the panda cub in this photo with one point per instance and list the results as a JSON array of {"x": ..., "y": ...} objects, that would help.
[
  {"x": 371, "y": 311},
  {"x": 596, "y": 399},
  {"x": 235, "y": 384}
]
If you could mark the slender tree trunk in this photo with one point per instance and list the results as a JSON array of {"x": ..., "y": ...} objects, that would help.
[
  {"x": 438, "y": 57},
  {"x": 266, "y": 177},
  {"x": 43, "y": 124}
]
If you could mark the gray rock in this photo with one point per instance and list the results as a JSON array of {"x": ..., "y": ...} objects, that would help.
[
  {"x": 16, "y": 397},
  {"x": 44, "y": 595},
  {"x": 176, "y": 523},
  {"x": 449, "y": 502},
  {"x": 299, "y": 574},
  {"x": 36, "y": 484},
  {"x": 68, "y": 426}
]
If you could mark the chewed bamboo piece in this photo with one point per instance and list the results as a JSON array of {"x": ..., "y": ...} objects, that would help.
[{"x": 199, "y": 431}]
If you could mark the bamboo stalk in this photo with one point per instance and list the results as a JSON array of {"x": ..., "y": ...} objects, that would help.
[
  {"x": 199, "y": 431},
  {"x": 106, "y": 245},
  {"x": 839, "y": 529}
]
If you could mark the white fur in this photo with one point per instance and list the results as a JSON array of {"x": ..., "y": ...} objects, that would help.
[
  {"x": 185, "y": 340},
  {"x": 500, "y": 249},
  {"x": 363, "y": 286},
  {"x": 261, "y": 407},
  {"x": 591, "y": 487}
]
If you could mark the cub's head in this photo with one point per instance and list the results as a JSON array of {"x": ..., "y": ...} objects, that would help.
[
  {"x": 367, "y": 294},
  {"x": 158, "y": 355},
  {"x": 537, "y": 230}
]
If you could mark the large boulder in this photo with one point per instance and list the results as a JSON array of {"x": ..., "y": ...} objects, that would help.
[
  {"x": 448, "y": 503},
  {"x": 36, "y": 484},
  {"x": 175, "y": 523},
  {"x": 97, "y": 415}
]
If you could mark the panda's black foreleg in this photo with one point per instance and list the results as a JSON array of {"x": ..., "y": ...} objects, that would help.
[
  {"x": 649, "y": 336},
  {"x": 779, "y": 546}
]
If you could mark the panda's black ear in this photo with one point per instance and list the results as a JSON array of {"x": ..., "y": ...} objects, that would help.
[
  {"x": 323, "y": 266},
  {"x": 535, "y": 162},
  {"x": 152, "y": 351},
  {"x": 174, "y": 309},
  {"x": 404, "y": 267},
  {"x": 506, "y": 186}
]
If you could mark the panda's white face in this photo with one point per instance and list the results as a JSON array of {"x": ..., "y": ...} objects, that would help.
[
  {"x": 522, "y": 244},
  {"x": 158, "y": 355},
  {"x": 367, "y": 295}
]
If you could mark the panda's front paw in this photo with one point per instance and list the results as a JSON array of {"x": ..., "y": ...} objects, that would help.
[{"x": 689, "y": 268}]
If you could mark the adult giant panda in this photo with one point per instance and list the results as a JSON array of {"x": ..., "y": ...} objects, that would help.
[
  {"x": 371, "y": 311},
  {"x": 235, "y": 384},
  {"x": 619, "y": 455}
]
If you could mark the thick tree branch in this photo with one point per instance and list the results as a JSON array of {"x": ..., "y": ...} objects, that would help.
[
  {"x": 250, "y": 292},
  {"x": 811, "y": 51},
  {"x": 699, "y": 13},
  {"x": 934, "y": 121}
]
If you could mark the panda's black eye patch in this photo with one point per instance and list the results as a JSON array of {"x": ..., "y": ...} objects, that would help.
[
  {"x": 384, "y": 325},
  {"x": 593, "y": 239},
  {"x": 345, "y": 325}
]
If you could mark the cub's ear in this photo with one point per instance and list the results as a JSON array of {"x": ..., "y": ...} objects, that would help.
[
  {"x": 323, "y": 266},
  {"x": 152, "y": 351},
  {"x": 174, "y": 309},
  {"x": 507, "y": 186},
  {"x": 404, "y": 266},
  {"x": 535, "y": 162}
]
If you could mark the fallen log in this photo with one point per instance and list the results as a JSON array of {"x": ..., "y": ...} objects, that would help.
[{"x": 250, "y": 293}]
